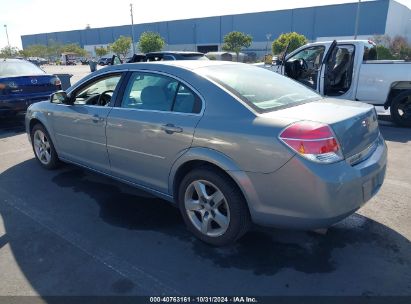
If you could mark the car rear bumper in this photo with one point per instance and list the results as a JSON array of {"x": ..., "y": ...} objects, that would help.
[
  {"x": 308, "y": 195},
  {"x": 20, "y": 104}
]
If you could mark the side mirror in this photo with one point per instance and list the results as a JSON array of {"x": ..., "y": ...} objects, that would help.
[{"x": 60, "y": 97}]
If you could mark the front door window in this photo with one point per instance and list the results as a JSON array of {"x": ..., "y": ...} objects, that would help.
[
  {"x": 98, "y": 93},
  {"x": 305, "y": 65}
]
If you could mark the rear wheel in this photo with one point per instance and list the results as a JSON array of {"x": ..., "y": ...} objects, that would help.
[
  {"x": 400, "y": 109},
  {"x": 213, "y": 207},
  {"x": 43, "y": 147}
]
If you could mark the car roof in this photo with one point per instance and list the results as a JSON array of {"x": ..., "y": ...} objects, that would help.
[
  {"x": 12, "y": 60},
  {"x": 175, "y": 52},
  {"x": 185, "y": 64},
  {"x": 190, "y": 65}
]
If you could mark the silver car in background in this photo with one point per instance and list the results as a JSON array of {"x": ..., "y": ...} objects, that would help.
[{"x": 230, "y": 144}]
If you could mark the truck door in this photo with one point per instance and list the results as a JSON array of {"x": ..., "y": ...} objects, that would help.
[
  {"x": 305, "y": 66},
  {"x": 337, "y": 71}
]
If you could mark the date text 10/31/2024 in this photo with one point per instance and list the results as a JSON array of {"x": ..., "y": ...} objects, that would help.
[{"x": 203, "y": 300}]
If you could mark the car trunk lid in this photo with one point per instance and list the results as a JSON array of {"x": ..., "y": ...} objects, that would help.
[
  {"x": 354, "y": 123},
  {"x": 23, "y": 85}
]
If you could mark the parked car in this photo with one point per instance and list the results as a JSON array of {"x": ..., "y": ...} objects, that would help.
[
  {"x": 350, "y": 69},
  {"x": 160, "y": 56},
  {"x": 105, "y": 61},
  {"x": 175, "y": 55},
  {"x": 23, "y": 83},
  {"x": 230, "y": 144}
]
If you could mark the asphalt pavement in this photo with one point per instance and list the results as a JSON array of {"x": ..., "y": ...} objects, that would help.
[{"x": 74, "y": 232}]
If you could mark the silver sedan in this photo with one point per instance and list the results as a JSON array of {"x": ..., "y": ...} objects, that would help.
[{"x": 230, "y": 144}]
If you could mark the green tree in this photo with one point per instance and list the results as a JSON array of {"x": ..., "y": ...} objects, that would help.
[
  {"x": 384, "y": 53},
  {"x": 36, "y": 50},
  {"x": 150, "y": 42},
  {"x": 400, "y": 48},
  {"x": 73, "y": 48},
  {"x": 23, "y": 53},
  {"x": 54, "y": 49},
  {"x": 294, "y": 40},
  {"x": 9, "y": 52},
  {"x": 235, "y": 41},
  {"x": 121, "y": 46},
  {"x": 101, "y": 51}
]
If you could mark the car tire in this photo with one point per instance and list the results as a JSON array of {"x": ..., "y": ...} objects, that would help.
[
  {"x": 400, "y": 106},
  {"x": 43, "y": 147},
  {"x": 219, "y": 216}
]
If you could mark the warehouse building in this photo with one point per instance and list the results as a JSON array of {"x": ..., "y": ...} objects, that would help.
[{"x": 206, "y": 34}]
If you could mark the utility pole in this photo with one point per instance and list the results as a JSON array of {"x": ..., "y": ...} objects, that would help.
[
  {"x": 357, "y": 20},
  {"x": 7, "y": 35},
  {"x": 132, "y": 28},
  {"x": 268, "y": 36}
]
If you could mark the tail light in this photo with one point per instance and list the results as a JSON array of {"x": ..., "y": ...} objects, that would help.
[{"x": 312, "y": 140}]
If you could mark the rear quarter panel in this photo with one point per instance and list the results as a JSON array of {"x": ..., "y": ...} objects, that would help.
[{"x": 231, "y": 128}]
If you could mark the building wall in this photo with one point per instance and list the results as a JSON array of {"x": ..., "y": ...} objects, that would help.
[
  {"x": 398, "y": 20},
  {"x": 314, "y": 22}
]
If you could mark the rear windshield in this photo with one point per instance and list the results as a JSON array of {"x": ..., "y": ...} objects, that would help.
[
  {"x": 18, "y": 68},
  {"x": 262, "y": 89}
]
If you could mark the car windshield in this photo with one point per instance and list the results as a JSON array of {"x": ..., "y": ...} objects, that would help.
[
  {"x": 262, "y": 89},
  {"x": 18, "y": 68}
]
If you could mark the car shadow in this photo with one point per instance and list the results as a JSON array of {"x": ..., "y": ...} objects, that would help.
[
  {"x": 10, "y": 126},
  {"x": 395, "y": 133},
  {"x": 264, "y": 253}
]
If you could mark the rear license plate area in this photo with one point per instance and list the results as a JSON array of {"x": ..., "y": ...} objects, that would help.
[{"x": 370, "y": 187}]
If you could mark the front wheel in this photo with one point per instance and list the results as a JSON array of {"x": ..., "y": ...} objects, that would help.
[
  {"x": 400, "y": 109},
  {"x": 213, "y": 207},
  {"x": 43, "y": 147}
]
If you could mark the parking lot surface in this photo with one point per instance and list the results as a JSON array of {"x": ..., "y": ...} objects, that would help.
[
  {"x": 74, "y": 232},
  {"x": 77, "y": 71}
]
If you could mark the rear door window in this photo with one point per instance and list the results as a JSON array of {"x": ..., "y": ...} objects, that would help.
[{"x": 155, "y": 92}]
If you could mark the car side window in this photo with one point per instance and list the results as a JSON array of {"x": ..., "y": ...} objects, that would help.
[
  {"x": 99, "y": 92},
  {"x": 156, "y": 92},
  {"x": 149, "y": 92},
  {"x": 305, "y": 65},
  {"x": 186, "y": 101}
]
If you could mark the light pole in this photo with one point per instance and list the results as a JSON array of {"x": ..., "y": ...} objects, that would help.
[
  {"x": 357, "y": 20},
  {"x": 132, "y": 28},
  {"x": 7, "y": 35},
  {"x": 268, "y": 36}
]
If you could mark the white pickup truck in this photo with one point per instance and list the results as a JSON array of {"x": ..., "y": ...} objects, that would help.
[{"x": 349, "y": 69}]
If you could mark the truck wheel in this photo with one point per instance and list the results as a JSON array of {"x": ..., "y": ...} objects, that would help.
[
  {"x": 213, "y": 207},
  {"x": 401, "y": 109}
]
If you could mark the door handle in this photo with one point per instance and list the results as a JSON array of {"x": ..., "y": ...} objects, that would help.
[
  {"x": 170, "y": 129},
  {"x": 97, "y": 118}
]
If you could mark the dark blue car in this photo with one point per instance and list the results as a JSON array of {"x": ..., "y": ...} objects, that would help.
[{"x": 23, "y": 83}]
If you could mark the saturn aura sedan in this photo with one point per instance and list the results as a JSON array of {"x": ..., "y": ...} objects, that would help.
[{"x": 230, "y": 144}]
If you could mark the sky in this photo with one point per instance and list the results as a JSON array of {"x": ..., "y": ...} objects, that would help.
[{"x": 24, "y": 17}]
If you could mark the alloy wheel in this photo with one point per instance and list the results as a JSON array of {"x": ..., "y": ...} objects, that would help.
[
  {"x": 207, "y": 208},
  {"x": 42, "y": 147}
]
